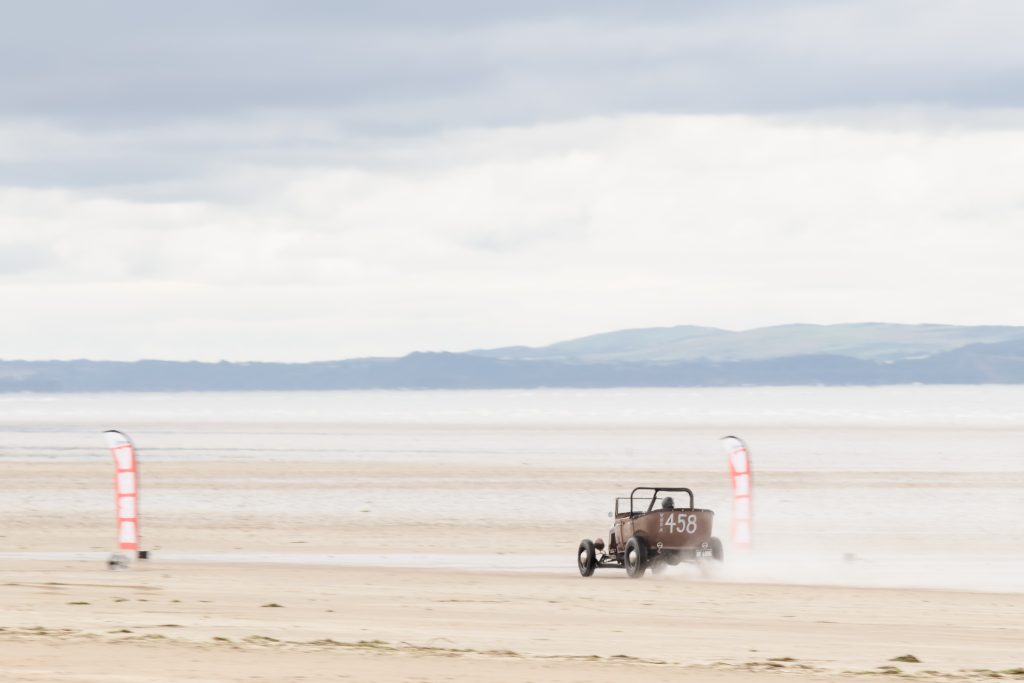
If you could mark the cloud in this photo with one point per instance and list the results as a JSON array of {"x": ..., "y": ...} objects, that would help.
[
  {"x": 457, "y": 64},
  {"x": 19, "y": 258},
  {"x": 151, "y": 101},
  {"x": 331, "y": 179},
  {"x": 528, "y": 235}
]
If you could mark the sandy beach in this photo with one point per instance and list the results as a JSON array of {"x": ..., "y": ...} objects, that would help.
[
  {"x": 162, "y": 622},
  {"x": 204, "y": 617},
  {"x": 428, "y": 549}
]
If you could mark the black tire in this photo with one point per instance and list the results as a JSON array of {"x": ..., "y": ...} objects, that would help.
[
  {"x": 635, "y": 557},
  {"x": 717, "y": 552},
  {"x": 586, "y": 557}
]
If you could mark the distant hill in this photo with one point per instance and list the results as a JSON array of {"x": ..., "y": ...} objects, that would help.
[
  {"x": 873, "y": 341},
  {"x": 858, "y": 354}
]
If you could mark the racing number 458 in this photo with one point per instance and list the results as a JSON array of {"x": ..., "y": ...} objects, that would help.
[{"x": 683, "y": 523}]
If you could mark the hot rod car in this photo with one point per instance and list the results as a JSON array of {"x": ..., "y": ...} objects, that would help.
[{"x": 649, "y": 530}]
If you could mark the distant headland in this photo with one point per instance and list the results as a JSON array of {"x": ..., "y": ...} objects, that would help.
[{"x": 682, "y": 356}]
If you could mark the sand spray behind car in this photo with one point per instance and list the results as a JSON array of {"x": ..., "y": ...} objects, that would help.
[{"x": 742, "y": 492}]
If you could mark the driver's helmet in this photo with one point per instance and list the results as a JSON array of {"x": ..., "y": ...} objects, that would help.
[{"x": 667, "y": 503}]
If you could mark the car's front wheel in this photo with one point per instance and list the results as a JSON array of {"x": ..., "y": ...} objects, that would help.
[
  {"x": 635, "y": 557},
  {"x": 586, "y": 557}
]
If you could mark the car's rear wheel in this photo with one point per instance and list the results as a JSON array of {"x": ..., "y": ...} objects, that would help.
[
  {"x": 586, "y": 557},
  {"x": 635, "y": 557},
  {"x": 717, "y": 551}
]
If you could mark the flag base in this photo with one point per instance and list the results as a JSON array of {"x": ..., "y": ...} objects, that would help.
[{"x": 117, "y": 561}]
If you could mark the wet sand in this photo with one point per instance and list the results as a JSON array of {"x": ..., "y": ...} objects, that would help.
[{"x": 324, "y": 507}]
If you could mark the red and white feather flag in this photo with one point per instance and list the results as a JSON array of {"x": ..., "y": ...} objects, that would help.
[
  {"x": 126, "y": 489},
  {"x": 742, "y": 491}
]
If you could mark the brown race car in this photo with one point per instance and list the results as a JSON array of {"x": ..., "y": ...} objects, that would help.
[{"x": 649, "y": 530}]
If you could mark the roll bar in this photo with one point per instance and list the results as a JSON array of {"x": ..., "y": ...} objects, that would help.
[{"x": 654, "y": 496}]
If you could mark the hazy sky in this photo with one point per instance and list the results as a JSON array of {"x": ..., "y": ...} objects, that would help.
[{"x": 319, "y": 180}]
